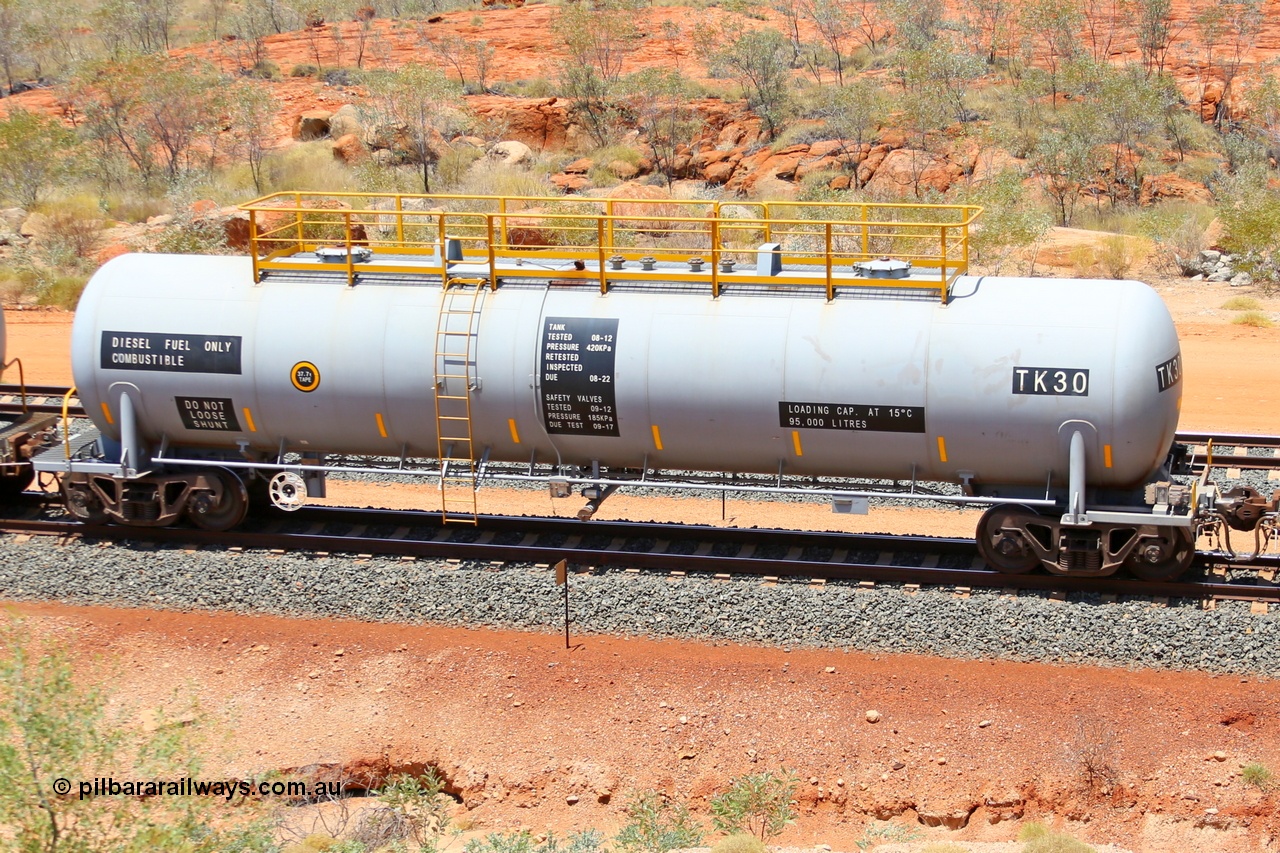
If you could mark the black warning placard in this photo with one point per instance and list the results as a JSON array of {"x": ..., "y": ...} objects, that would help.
[
  {"x": 576, "y": 364},
  {"x": 850, "y": 416},
  {"x": 173, "y": 352},
  {"x": 206, "y": 414}
]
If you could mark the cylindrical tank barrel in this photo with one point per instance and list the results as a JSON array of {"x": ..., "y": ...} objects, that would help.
[{"x": 989, "y": 387}]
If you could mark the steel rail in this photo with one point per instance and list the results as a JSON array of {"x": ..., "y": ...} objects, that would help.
[
  {"x": 1228, "y": 439},
  {"x": 611, "y": 544},
  {"x": 11, "y": 400},
  {"x": 7, "y": 389}
]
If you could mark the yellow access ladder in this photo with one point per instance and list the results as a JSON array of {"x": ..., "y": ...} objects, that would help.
[{"x": 456, "y": 330}]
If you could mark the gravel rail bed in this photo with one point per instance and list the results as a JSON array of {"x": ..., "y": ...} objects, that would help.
[{"x": 1029, "y": 627}]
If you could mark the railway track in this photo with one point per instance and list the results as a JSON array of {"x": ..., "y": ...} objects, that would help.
[
  {"x": 1247, "y": 451},
  {"x": 41, "y": 399},
  {"x": 772, "y": 555}
]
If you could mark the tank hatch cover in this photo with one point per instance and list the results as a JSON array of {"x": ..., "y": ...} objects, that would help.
[{"x": 883, "y": 268}]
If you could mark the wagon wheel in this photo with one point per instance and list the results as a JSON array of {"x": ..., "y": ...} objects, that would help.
[
  {"x": 228, "y": 512},
  {"x": 1163, "y": 560},
  {"x": 83, "y": 504},
  {"x": 1002, "y": 541}
]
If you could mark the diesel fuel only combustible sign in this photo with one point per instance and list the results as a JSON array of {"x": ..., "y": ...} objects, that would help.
[{"x": 577, "y": 372}]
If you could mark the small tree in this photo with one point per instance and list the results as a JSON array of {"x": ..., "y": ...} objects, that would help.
[
  {"x": 1102, "y": 21},
  {"x": 149, "y": 108},
  {"x": 916, "y": 23},
  {"x": 253, "y": 113},
  {"x": 1010, "y": 220},
  {"x": 836, "y": 26},
  {"x": 757, "y": 803},
  {"x": 987, "y": 25},
  {"x": 659, "y": 100},
  {"x": 853, "y": 113},
  {"x": 1157, "y": 31},
  {"x": 1063, "y": 162},
  {"x": 1242, "y": 25},
  {"x": 14, "y": 38},
  {"x": 413, "y": 108},
  {"x": 36, "y": 154},
  {"x": 1125, "y": 106},
  {"x": 597, "y": 37},
  {"x": 1054, "y": 27},
  {"x": 758, "y": 60}
]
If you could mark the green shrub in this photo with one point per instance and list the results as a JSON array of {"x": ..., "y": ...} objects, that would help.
[
  {"x": 740, "y": 843},
  {"x": 885, "y": 833},
  {"x": 587, "y": 841},
  {"x": 1116, "y": 256},
  {"x": 507, "y": 181},
  {"x": 52, "y": 727},
  {"x": 193, "y": 237},
  {"x": 307, "y": 166},
  {"x": 17, "y": 281},
  {"x": 71, "y": 236},
  {"x": 304, "y": 70},
  {"x": 1250, "y": 212},
  {"x": 409, "y": 807},
  {"x": 532, "y": 87},
  {"x": 1241, "y": 303},
  {"x": 1032, "y": 830},
  {"x": 341, "y": 76},
  {"x": 656, "y": 824},
  {"x": 265, "y": 69},
  {"x": 1257, "y": 319},
  {"x": 1178, "y": 229},
  {"x": 1010, "y": 220},
  {"x": 452, "y": 167},
  {"x": 62, "y": 291},
  {"x": 757, "y": 803},
  {"x": 1255, "y": 773},
  {"x": 135, "y": 207},
  {"x": 1056, "y": 842}
]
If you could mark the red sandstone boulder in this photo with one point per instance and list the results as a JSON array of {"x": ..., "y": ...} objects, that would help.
[{"x": 1172, "y": 186}]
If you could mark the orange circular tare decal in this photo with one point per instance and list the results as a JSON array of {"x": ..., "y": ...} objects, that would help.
[{"x": 305, "y": 376}]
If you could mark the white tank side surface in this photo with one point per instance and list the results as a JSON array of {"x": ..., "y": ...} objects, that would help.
[{"x": 866, "y": 387}]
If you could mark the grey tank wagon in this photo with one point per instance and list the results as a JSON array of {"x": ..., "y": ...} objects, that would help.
[{"x": 583, "y": 349}]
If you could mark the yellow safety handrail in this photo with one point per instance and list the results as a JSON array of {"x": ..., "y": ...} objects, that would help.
[
  {"x": 66, "y": 419},
  {"x": 828, "y": 237}
]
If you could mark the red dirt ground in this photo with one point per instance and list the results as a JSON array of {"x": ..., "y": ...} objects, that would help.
[{"x": 520, "y": 725}]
